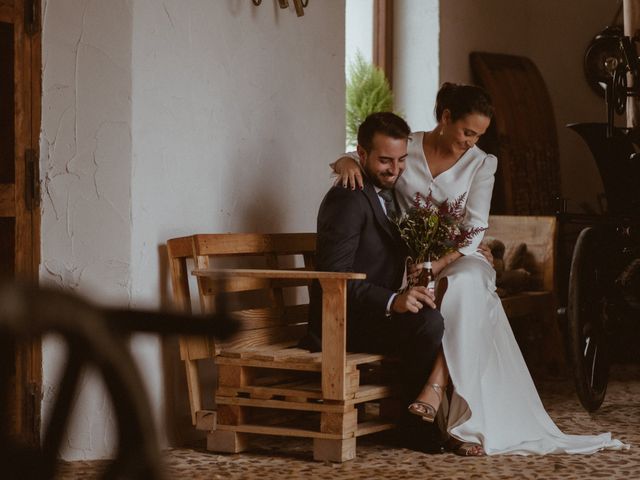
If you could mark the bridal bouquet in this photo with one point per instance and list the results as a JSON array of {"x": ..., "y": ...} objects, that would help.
[{"x": 432, "y": 230}]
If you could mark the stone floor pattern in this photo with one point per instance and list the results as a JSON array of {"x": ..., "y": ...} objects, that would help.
[{"x": 272, "y": 457}]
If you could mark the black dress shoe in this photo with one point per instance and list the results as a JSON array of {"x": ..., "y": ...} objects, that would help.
[{"x": 418, "y": 436}]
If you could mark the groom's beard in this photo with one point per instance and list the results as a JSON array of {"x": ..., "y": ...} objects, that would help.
[{"x": 381, "y": 180}]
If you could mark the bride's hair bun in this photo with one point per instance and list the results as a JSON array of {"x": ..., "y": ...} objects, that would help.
[{"x": 462, "y": 100}]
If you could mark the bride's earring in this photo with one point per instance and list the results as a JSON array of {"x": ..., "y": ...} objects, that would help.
[{"x": 442, "y": 131}]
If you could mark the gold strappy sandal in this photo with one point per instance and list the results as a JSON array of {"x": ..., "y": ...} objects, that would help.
[
  {"x": 426, "y": 410},
  {"x": 465, "y": 449}
]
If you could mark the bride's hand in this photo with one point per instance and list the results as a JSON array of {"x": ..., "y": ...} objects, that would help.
[
  {"x": 442, "y": 262},
  {"x": 486, "y": 251},
  {"x": 438, "y": 265},
  {"x": 348, "y": 172}
]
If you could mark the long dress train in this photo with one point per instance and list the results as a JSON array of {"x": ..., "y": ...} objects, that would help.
[{"x": 495, "y": 402}]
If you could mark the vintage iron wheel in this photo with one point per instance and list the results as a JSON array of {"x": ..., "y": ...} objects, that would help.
[
  {"x": 588, "y": 339},
  {"x": 95, "y": 338}
]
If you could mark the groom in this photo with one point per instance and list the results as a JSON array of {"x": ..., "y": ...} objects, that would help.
[{"x": 355, "y": 235}]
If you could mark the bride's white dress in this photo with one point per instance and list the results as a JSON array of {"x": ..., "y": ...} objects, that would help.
[{"x": 495, "y": 402}]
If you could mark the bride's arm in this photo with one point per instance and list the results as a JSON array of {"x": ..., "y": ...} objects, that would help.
[
  {"x": 414, "y": 269},
  {"x": 348, "y": 171},
  {"x": 479, "y": 201},
  {"x": 443, "y": 261}
]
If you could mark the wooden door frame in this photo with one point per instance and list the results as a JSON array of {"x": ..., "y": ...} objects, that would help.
[
  {"x": 383, "y": 37},
  {"x": 34, "y": 372},
  {"x": 27, "y": 119}
]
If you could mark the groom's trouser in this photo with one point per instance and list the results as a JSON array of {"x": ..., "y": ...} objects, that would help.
[{"x": 414, "y": 337}]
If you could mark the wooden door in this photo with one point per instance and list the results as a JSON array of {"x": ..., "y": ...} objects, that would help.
[
  {"x": 522, "y": 134},
  {"x": 19, "y": 193}
]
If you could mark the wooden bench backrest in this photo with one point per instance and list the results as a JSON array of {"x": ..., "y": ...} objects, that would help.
[
  {"x": 181, "y": 256},
  {"x": 276, "y": 322},
  {"x": 266, "y": 309},
  {"x": 538, "y": 233},
  {"x": 180, "y": 250}
]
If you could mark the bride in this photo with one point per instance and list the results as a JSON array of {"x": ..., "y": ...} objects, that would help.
[{"x": 495, "y": 407}]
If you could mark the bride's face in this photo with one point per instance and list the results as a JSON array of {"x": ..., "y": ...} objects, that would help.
[{"x": 465, "y": 132}]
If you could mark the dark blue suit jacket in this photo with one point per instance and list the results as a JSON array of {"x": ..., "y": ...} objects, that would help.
[{"x": 355, "y": 235}]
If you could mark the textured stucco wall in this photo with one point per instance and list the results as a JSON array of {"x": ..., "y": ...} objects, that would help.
[
  {"x": 554, "y": 35},
  {"x": 166, "y": 118},
  {"x": 86, "y": 175},
  {"x": 237, "y": 111}
]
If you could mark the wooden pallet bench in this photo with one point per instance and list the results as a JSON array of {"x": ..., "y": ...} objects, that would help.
[{"x": 267, "y": 386}]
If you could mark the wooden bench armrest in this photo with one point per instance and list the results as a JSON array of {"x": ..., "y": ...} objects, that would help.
[
  {"x": 334, "y": 317},
  {"x": 334, "y": 338},
  {"x": 274, "y": 273}
]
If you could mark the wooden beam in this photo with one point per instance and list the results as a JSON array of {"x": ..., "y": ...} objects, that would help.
[
  {"x": 334, "y": 335},
  {"x": 383, "y": 37}
]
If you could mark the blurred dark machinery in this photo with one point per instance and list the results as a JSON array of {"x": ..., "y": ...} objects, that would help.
[
  {"x": 603, "y": 294},
  {"x": 97, "y": 338}
]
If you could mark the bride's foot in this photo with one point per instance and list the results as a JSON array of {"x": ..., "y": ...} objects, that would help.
[
  {"x": 425, "y": 408},
  {"x": 465, "y": 449}
]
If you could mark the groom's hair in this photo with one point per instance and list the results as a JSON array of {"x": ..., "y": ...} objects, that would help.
[{"x": 386, "y": 123}]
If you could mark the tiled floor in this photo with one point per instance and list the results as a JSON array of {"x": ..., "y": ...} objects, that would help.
[{"x": 284, "y": 459}]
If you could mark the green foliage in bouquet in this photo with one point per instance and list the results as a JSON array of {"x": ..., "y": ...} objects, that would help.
[
  {"x": 431, "y": 230},
  {"x": 368, "y": 91}
]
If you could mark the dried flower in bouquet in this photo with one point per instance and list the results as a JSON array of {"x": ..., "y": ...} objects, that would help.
[{"x": 432, "y": 230}]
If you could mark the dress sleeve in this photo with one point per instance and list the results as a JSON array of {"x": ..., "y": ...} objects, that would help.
[
  {"x": 352, "y": 154},
  {"x": 479, "y": 201}
]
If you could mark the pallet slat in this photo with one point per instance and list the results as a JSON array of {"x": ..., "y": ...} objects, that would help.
[
  {"x": 311, "y": 362},
  {"x": 221, "y": 244},
  {"x": 302, "y": 392},
  {"x": 364, "y": 428},
  {"x": 282, "y": 404},
  {"x": 243, "y": 284},
  {"x": 263, "y": 336}
]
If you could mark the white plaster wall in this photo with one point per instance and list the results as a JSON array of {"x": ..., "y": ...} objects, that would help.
[
  {"x": 166, "y": 118},
  {"x": 237, "y": 111},
  {"x": 86, "y": 173},
  {"x": 358, "y": 30},
  {"x": 554, "y": 35},
  {"x": 416, "y": 61}
]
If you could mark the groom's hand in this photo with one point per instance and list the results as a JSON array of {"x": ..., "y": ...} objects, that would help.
[
  {"x": 413, "y": 300},
  {"x": 413, "y": 271}
]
